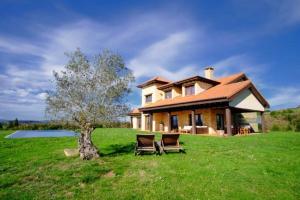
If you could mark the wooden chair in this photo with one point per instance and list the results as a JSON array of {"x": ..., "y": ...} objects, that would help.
[
  {"x": 170, "y": 142},
  {"x": 145, "y": 143}
]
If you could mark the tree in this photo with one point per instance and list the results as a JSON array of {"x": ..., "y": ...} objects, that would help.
[
  {"x": 88, "y": 92},
  {"x": 16, "y": 122},
  {"x": 10, "y": 124}
]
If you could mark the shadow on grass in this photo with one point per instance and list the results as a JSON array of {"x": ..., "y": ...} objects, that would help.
[{"x": 119, "y": 149}]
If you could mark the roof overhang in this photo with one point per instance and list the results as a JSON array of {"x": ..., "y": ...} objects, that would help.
[
  {"x": 190, "y": 79},
  {"x": 152, "y": 82}
]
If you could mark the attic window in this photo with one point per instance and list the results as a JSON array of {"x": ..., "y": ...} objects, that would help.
[
  {"x": 148, "y": 98},
  {"x": 168, "y": 94},
  {"x": 190, "y": 90}
]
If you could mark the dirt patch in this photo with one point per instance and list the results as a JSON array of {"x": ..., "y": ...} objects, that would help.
[
  {"x": 142, "y": 173},
  {"x": 109, "y": 174}
]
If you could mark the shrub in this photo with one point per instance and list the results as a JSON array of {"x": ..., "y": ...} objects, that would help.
[{"x": 275, "y": 128}]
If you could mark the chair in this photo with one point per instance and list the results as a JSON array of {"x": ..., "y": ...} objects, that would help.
[
  {"x": 145, "y": 143},
  {"x": 186, "y": 129},
  {"x": 170, "y": 142}
]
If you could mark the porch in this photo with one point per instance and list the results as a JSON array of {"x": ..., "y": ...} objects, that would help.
[{"x": 213, "y": 120}]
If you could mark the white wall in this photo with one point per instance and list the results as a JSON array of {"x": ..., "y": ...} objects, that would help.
[{"x": 247, "y": 100}]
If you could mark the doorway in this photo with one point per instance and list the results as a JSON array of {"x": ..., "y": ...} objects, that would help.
[
  {"x": 174, "y": 122},
  {"x": 220, "y": 121}
]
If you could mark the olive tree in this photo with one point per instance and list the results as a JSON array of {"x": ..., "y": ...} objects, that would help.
[{"x": 88, "y": 91}]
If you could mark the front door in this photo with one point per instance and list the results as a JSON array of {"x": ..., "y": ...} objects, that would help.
[
  {"x": 174, "y": 122},
  {"x": 220, "y": 121}
]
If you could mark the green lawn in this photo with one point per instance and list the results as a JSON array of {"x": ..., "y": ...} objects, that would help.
[{"x": 264, "y": 166}]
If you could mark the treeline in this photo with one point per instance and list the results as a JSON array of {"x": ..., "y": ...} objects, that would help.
[
  {"x": 284, "y": 120},
  {"x": 54, "y": 125}
]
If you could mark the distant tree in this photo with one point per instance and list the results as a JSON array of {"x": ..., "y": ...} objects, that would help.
[
  {"x": 10, "y": 124},
  {"x": 1, "y": 125},
  {"x": 88, "y": 92},
  {"x": 16, "y": 122}
]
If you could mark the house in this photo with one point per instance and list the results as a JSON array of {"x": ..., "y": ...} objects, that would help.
[{"x": 200, "y": 105}]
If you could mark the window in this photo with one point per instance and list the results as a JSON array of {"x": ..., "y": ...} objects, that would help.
[
  {"x": 168, "y": 94},
  {"x": 148, "y": 98},
  {"x": 198, "y": 120},
  {"x": 189, "y": 90}
]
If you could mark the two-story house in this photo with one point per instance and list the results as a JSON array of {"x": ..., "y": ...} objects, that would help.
[{"x": 205, "y": 104}]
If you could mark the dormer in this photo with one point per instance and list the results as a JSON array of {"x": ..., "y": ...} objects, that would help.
[
  {"x": 195, "y": 85},
  {"x": 170, "y": 91},
  {"x": 150, "y": 91}
]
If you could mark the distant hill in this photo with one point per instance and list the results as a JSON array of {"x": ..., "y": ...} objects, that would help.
[
  {"x": 25, "y": 121},
  {"x": 284, "y": 119}
]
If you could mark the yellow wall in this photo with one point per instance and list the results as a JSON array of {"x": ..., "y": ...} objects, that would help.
[
  {"x": 152, "y": 89},
  {"x": 176, "y": 92},
  {"x": 208, "y": 115},
  {"x": 199, "y": 87}
]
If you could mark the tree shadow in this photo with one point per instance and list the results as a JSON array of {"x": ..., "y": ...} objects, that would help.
[{"x": 119, "y": 149}]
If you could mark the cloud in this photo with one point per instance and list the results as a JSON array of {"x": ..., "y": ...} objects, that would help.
[
  {"x": 242, "y": 63},
  {"x": 157, "y": 58},
  {"x": 25, "y": 84},
  {"x": 285, "y": 97}
]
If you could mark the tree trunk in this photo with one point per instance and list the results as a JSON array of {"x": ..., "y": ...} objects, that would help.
[{"x": 87, "y": 150}]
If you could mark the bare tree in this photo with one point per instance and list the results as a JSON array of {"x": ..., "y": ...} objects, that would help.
[{"x": 88, "y": 92}]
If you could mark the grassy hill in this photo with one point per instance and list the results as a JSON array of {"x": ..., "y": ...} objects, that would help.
[
  {"x": 284, "y": 120},
  {"x": 262, "y": 166}
]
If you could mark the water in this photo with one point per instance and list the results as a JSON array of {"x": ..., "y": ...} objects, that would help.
[{"x": 42, "y": 133}]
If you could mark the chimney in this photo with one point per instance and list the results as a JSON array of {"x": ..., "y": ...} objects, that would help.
[{"x": 209, "y": 72}]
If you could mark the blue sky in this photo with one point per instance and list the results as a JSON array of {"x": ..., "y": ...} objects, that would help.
[{"x": 174, "y": 39}]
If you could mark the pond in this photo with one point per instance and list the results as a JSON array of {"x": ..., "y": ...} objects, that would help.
[{"x": 42, "y": 133}]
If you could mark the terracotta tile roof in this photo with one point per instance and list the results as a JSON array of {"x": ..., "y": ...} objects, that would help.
[
  {"x": 193, "y": 78},
  {"x": 135, "y": 111},
  {"x": 221, "y": 91},
  {"x": 154, "y": 80},
  {"x": 231, "y": 78}
]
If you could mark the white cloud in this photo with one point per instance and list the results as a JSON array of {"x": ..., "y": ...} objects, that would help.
[
  {"x": 42, "y": 95},
  {"x": 157, "y": 58},
  {"x": 285, "y": 97},
  {"x": 242, "y": 63},
  {"x": 25, "y": 85}
]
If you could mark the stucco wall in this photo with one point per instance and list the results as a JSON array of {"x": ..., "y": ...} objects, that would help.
[
  {"x": 176, "y": 92},
  {"x": 135, "y": 122},
  {"x": 152, "y": 89},
  {"x": 247, "y": 100},
  {"x": 201, "y": 86}
]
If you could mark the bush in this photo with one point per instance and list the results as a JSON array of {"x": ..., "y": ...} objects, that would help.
[
  {"x": 297, "y": 126},
  {"x": 275, "y": 128}
]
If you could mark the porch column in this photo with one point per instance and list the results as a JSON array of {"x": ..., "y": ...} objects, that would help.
[
  {"x": 131, "y": 123},
  {"x": 193, "y": 122},
  {"x": 169, "y": 121},
  {"x": 228, "y": 121},
  {"x": 150, "y": 122},
  {"x": 263, "y": 125}
]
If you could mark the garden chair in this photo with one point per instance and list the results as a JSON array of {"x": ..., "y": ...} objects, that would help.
[
  {"x": 186, "y": 129},
  {"x": 145, "y": 143},
  {"x": 170, "y": 142}
]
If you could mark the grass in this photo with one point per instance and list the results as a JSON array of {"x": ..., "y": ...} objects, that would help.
[{"x": 264, "y": 166}]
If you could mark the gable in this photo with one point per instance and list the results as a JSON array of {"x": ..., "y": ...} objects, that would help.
[{"x": 246, "y": 100}]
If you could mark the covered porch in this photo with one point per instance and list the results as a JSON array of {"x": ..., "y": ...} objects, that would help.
[{"x": 215, "y": 119}]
